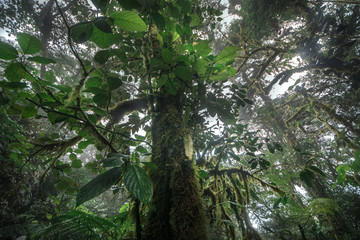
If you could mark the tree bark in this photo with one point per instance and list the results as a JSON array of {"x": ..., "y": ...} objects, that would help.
[
  {"x": 176, "y": 210},
  {"x": 302, "y": 232}
]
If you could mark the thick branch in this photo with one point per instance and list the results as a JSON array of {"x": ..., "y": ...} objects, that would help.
[
  {"x": 349, "y": 143},
  {"x": 331, "y": 113},
  {"x": 284, "y": 76},
  {"x": 263, "y": 67},
  {"x": 125, "y": 107}
]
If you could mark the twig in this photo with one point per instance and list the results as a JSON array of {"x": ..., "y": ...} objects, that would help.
[
  {"x": 55, "y": 111},
  {"x": 45, "y": 88},
  {"x": 51, "y": 166},
  {"x": 69, "y": 39},
  {"x": 123, "y": 135},
  {"x": 97, "y": 133}
]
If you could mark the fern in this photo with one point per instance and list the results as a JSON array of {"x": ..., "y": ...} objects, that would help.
[
  {"x": 323, "y": 206},
  {"x": 79, "y": 225}
]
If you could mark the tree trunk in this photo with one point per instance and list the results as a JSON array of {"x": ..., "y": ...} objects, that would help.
[
  {"x": 176, "y": 210},
  {"x": 302, "y": 232}
]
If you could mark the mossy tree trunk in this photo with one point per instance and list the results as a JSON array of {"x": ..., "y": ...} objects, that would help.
[{"x": 176, "y": 210}]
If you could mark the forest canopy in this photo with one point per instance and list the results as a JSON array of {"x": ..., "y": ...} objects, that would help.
[{"x": 179, "y": 119}]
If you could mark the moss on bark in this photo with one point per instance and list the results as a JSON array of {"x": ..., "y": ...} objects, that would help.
[{"x": 176, "y": 210}]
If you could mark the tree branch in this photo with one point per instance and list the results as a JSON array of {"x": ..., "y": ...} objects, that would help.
[{"x": 69, "y": 40}]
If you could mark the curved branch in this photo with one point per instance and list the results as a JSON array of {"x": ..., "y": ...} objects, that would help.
[
  {"x": 69, "y": 40},
  {"x": 284, "y": 76},
  {"x": 125, "y": 107}
]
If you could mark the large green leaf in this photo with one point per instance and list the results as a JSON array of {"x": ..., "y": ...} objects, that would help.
[
  {"x": 159, "y": 20},
  {"x": 84, "y": 144},
  {"x": 7, "y": 51},
  {"x": 200, "y": 66},
  {"x": 221, "y": 107},
  {"x": 101, "y": 99},
  {"x": 129, "y": 21},
  {"x": 151, "y": 166},
  {"x": 113, "y": 82},
  {"x": 221, "y": 76},
  {"x": 82, "y": 32},
  {"x": 231, "y": 71},
  {"x": 93, "y": 82},
  {"x": 102, "y": 56},
  {"x": 323, "y": 206},
  {"x": 138, "y": 183},
  {"x": 183, "y": 72},
  {"x": 276, "y": 145},
  {"x": 75, "y": 224},
  {"x": 29, "y": 44},
  {"x": 98, "y": 185},
  {"x": 172, "y": 86},
  {"x": 195, "y": 20},
  {"x": 270, "y": 148},
  {"x": 227, "y": 54},
  {"x": 103, "y": 24},
  {"x": 15, "y": 72},
  {"x": 167, "y": 55},
  {"x": 307, "y": 176},
  {"x": 277, "y": 203},
  {"x": 12, "y": 85},
  {"x": 76, "y": 163},
  {"x": 202, "y": 47},
  {"x": 28, "y": 112},
  {"x": 103, "y": 39}
]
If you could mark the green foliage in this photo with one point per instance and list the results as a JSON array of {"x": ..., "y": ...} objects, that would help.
[
  {"x": 138, "y": 183},
  {"x": 28, "y": 112},
  {"x": 323, "y": 206},
  {"x": 103, "y": 24},
  {"x": 227, "y": 54},
  {"x": 128, "y": 21},
  {"x": 7, "y": 51},
  {"x": 28, "y": 43},
  {"x": 153, "y": 53},
  {"x": 102, "y": 56},
  {"x": 15, "y": 72},
  {"x": 99, "y": 185},
  {"x": 78, "y": 224},
  {"x": 82, "y": 32},
  {"x": 103, "y": 39},
  {"x": 261, "y": 17},
  {"x": 308, "y": 174}
]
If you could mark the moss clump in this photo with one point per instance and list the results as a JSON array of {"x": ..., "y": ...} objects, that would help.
[{"x": 187, "y": 215}]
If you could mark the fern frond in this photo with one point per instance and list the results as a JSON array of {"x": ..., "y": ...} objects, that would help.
[{"x": 78, "y": 225}]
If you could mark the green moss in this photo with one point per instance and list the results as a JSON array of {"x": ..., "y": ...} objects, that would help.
[
  {"x": 176, "y": 208},
  {"x": 187, "y": 215}
]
